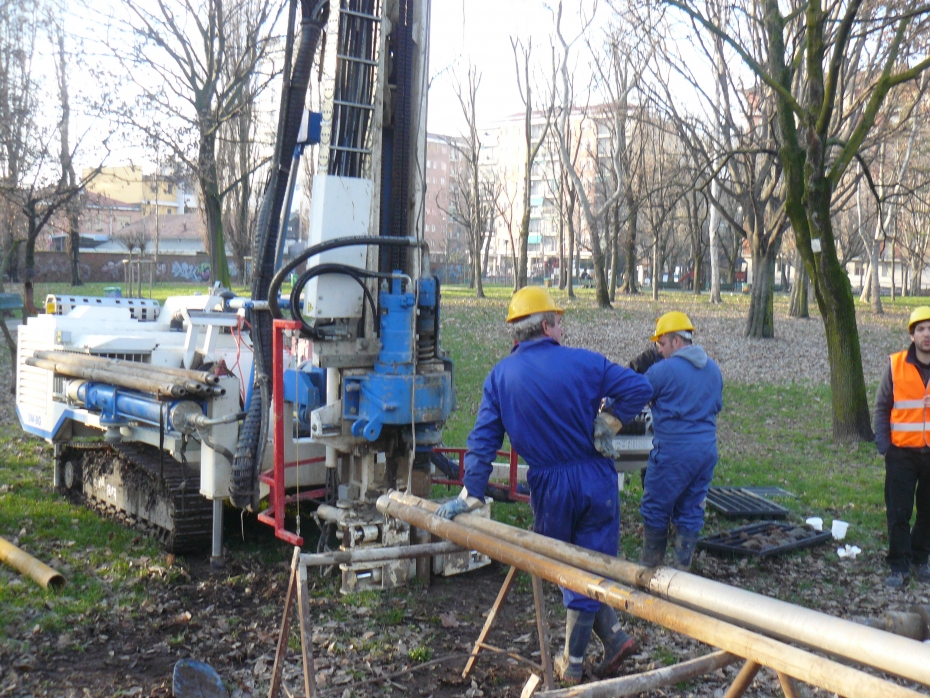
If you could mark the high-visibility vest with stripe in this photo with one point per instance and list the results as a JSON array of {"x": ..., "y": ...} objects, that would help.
[{"x": 910, "y": 426}]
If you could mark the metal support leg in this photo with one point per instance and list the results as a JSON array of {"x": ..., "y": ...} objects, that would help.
[{"x": 216, "y": 558}]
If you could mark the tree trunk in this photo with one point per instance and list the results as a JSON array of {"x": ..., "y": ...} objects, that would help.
[
  {"x": 851, "y": 419},
  {"x": 213, "y": 209},
  {"x": 875, "y": 288},
  {"x": 74, "y": 245},
  {"x": 615, "y": 265},
  {"x": 629, "y": 279},
  {"x": 760, "y": 323},
  {"x": 656, "y": 275},
  {"x": 798, "y": 307},
  {"x": 479, "y": 286},
  {"x": 714, "y": 235},
  {"x": 570, "y": 221},
  {"x": 29, "y": 261}
]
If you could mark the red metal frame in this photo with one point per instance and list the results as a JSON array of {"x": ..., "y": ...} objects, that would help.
[
  {"x": 277, "y": 499},
  {"x": 511, "y": 455}
]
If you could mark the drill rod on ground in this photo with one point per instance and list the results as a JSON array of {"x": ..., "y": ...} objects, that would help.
[
  {"x": 870, "y": 646},
  {"x": 800, "y": 664}
]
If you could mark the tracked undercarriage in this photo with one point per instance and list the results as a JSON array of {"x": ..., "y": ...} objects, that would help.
[{"x": 134, "y": 484}]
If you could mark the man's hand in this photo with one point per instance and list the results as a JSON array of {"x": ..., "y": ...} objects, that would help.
[
  {"x": 606, "y": 427},
  {"x": 452, "y": 508}
]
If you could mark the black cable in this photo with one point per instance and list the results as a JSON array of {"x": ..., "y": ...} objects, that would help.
[
  {"x": 353, "y": 272},
  {"x": 321, "y": 247}
]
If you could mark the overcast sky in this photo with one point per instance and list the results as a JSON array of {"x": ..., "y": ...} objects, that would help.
[{"x": 480, "y": 31}]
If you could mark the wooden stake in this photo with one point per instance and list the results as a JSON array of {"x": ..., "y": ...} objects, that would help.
[
  {"x": 306, "y": 635},
  {"x": 790, "y": 686},
  {"x": 492, "y": 615},
  {"x": 743, "y": 679},
  {"x": 542, "y": 626},
  {"x": 281, "y": 650}
]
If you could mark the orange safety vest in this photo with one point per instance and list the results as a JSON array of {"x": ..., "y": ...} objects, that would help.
[{"x": 909, "y": 423}]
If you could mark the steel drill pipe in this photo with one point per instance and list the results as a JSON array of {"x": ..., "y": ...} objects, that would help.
[
  {"x": 399, "y": 552},
  {"x": 866, "y": 645},
  {"x": 132, "y": 369},
  {"x": 105, "y": 362},
  {"x": 35, "y": 569},
  {"x": 111, "y": 378},
  {"x": 801, "y": 664}
]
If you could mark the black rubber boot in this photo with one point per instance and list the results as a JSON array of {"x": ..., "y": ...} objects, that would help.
[
  {"x": 570, "y": 666},
  {"x": 617, "y": 644},
  {"x": 655, "y": 540},
  {"x": 684, "y": 548}
]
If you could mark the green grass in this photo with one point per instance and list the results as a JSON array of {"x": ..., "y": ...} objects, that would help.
[{"x": 769, "y": 435}]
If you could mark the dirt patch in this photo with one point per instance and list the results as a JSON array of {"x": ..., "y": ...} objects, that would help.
[{"x": 405, "y": 642}]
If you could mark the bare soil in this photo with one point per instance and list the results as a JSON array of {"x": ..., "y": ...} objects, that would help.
[{"x": 405, "y": 642}]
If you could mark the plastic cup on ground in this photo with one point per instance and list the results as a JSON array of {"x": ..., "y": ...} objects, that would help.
[
  {"x": 839, "y": 529},
  {"x": 815, "y": 522}
]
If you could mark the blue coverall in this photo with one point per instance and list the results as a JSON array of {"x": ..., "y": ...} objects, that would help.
[
  {"x": 545, "y": 397},
  {"x": 687, "y": 394}
]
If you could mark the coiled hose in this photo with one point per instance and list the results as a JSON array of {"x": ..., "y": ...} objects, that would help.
[{"x": 254, "y": 433}]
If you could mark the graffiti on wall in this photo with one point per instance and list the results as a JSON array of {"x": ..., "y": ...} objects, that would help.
[{"x": 56, "y": 267}]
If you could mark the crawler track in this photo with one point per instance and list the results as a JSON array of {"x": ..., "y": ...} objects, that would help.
[{"x": 130, "y": 484}]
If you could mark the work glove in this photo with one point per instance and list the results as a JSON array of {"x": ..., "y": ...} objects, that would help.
[
  {"x": 452, "y": 508},
  {"x": 606, "y": 427}
]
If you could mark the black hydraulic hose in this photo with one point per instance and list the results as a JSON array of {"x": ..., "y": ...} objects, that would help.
[
  {"x": 319, "y": 270},
  {"x": 254, "y": 433},
  {"x": 284, "y": 271}
]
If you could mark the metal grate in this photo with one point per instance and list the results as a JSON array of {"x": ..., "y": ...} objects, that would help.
[{"x": 738, "y": 503}]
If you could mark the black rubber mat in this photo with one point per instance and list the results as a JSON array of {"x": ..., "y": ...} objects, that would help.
[{"x": 738, "y": 503}]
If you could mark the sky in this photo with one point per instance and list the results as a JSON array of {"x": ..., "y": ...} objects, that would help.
[{"x": 480, "y": 31}]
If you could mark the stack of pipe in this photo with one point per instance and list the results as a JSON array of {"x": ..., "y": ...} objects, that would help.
[
  {"x": 746, "y": 624},
  {"x": 162, "y": 380}
]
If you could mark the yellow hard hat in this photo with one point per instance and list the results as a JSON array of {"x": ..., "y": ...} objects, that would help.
[
  {"x": 675, "y": 321},
  {"x": 529, "y": 300},
  {"x": 919, "y": 314}
]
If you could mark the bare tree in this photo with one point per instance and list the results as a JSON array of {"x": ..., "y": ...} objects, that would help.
[
  {"x": 68, "y": 180},
  {"x": 811, "y": 61},
  {"x": 474, "y": 192},
  {"x": 20, "y": 24},
  {"x": 535, "y": 136},
  {"x": 591, "y": 213},
  {"x": 207, "y": 57}
]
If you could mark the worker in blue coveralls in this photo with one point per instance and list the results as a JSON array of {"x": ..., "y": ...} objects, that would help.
[
  {"x": 547, "y": 398},
  {"x": 687, "y": 395}
]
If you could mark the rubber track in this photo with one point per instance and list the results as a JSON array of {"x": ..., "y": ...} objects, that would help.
[{"x": 192, "y": 514}]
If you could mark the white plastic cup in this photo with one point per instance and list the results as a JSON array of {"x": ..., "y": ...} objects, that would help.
[
  {"x": 815, "y": 522},
  {"x": 839, "y": 529}
]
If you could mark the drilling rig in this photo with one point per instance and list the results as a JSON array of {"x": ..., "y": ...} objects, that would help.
[{"x": 335, "y": 393}]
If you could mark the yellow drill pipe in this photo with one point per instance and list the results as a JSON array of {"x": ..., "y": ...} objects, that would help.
[
  {"x": 867, "y": 645},
  {"x": 25, "y": 563},
  {"x": 801, "y": 664}
]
